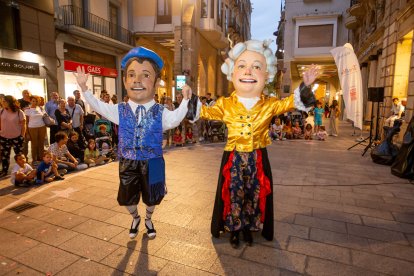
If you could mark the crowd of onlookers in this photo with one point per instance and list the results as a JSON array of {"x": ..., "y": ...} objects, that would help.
[
  {"x": 78, "y": 140},
  {"x": 298, "y": 125}
]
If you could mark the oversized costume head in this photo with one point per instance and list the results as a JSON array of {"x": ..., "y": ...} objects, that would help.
[
  {"x": 142, "y": 71},
  {"x": 250, "y": 65}
]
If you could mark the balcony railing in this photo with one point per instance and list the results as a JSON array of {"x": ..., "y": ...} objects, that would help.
[{"x": 74, "y": 16}]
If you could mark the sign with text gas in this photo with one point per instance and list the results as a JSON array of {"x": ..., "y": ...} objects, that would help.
[
  {"x": 91, "y": 69},
  {"x": 18, "y": 66}
]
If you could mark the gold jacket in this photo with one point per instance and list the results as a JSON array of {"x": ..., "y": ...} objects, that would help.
[{"x": 247, "y": 130}]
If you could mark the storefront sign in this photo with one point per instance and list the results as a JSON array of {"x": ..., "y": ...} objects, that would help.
[
  {"x": 18, "y": 66},
  {"x": 91, "y": 69}
]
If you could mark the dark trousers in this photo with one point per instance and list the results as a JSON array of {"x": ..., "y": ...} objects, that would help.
[
  {"x": 53, "y": 130},
  {"x": 5, "y": 147}
]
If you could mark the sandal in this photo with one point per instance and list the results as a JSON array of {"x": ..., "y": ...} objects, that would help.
[
  {"x": 133, "y": 232},
  {"x": 151, "y": 233}
]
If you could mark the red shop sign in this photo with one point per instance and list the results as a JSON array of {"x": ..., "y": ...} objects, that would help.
[{"x": 91, "y": 69}]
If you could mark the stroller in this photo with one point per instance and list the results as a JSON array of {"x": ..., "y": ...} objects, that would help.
[
  {"x": 103, "y": 136},
  {"x": 215, "y": 130},
  {"x": 88, "y": 126}
]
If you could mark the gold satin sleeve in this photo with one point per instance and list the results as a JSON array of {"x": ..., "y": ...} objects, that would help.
[
  {"x": 283, "y": 105},
  {"x": 214, "y": 112}
]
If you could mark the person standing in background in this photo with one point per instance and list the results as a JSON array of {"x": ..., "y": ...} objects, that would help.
[
  {"x": 12, "y": 130},
  {"x": 50, "y": 108},
  {"x": 78, "y": 100},
  {"x": 333, "y": 118},
  {"x": 77, "y": 114},
  {"x": 25, "y": 103},
  {"x": 36, "y": 129}
]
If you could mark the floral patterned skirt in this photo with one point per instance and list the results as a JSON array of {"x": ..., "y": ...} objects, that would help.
[{"x": 244, "y": 193}]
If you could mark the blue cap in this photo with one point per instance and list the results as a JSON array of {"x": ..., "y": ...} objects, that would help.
[{"x": 142, "y": 52}]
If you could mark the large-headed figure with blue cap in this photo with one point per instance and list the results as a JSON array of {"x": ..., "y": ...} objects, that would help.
[{"x": 141, "y": 123}]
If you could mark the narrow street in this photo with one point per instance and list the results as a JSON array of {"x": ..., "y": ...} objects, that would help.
[{"x": 336, "y": 213}]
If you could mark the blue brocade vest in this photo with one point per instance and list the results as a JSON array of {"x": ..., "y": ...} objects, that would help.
[{"x": 141, "y": 141}]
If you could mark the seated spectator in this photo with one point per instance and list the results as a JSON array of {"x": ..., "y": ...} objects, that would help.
[
  {"x": 275, "y": 131},
  {"x": 47, "y": 171},
  {"x": 61, "y": 154},
  {"x": 178, "y": 138},
  {"x": 322, "y": 134},
  {"x": 22, "y": 174},
  {"x": 92, "y": 156},
  {"x": 74, "y": 146},
  {"x": 189, "y": 136},
  {"x": 297, "y": 131},
  {"x": 308, "y": 132},
  {"x": 104, "y": 142},
  {"x": 287, "y": 130}
]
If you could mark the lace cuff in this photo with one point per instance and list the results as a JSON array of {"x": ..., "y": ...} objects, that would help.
[{"x": 298, "y": 103}]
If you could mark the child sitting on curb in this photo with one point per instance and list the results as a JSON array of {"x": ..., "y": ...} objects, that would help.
[
  {"x": 308, "y": 132},
  {"x": 22, "y": 174},
  {"x": 178, "y": 138},
  {"x": 322, "y": 134},
  {"x": 47, "y": 171},
  {"x": 92, "y": 156}
]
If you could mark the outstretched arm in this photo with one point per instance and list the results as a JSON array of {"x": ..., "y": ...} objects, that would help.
[
  {"x": 304, "y": 97},
  {"x": 108, "y": 110},
  {"x": 171, "y": 119}
]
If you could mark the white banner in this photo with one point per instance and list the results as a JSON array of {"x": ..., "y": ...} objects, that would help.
[{"x": 351, "y": 82}]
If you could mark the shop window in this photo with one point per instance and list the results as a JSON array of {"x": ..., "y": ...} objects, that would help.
[
  {"x": 10, "y": 27},
  {"x": 316, "y": 36},
  {"x": 164, "y": 12}
]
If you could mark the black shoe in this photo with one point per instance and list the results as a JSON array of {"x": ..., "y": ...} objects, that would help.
[
  {"x": 58, "y": 177},
  {"x": 25, "y": 183},
  {"x": 133, "y": 232},
  {"x": 247, "y": 237},
  {"x": 3, "y": 174},
  {"x": 63, "y": 172},
  {"x": 234, "y": 239},
  {"x": 151, "y": 233}
]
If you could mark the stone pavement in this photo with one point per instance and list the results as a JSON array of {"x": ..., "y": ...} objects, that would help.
[{"x": 336, "y": 213}]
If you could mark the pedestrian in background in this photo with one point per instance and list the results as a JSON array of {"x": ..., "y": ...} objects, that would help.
[
  {"x": 334, "y": 112},
  {"x": 50, "y": 108},
  {"x": 24, "y": 104},
  {"x": 63, "y": 118},
  {"x": 12, "y": 130},
  {"x": 36, "y": 129}
]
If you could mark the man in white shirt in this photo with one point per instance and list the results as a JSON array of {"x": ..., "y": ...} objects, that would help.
[
  {"x": 396, "y": 111},
  {"x": 77, "y": 114}
]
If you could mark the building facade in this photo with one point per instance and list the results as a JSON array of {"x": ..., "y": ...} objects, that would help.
[
  {"x": 381, "y": 32},
  {"x": 307, "y": 31},
  {"x": 27, "y": 48},
  {"x": 95, "y": 34},
  {"x": 193, "y": 37}
]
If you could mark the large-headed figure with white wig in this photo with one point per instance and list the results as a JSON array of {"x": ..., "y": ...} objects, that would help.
[{"x": 244, "y": 197}]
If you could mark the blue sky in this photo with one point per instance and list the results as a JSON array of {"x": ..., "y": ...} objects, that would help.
[{"x": 265, "y": 18}]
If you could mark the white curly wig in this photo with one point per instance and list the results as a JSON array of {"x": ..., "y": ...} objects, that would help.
[{"x": 258, "y": 46}]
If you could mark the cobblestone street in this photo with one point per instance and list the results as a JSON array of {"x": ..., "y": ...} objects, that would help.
[{"x": 336, "y": 213}]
